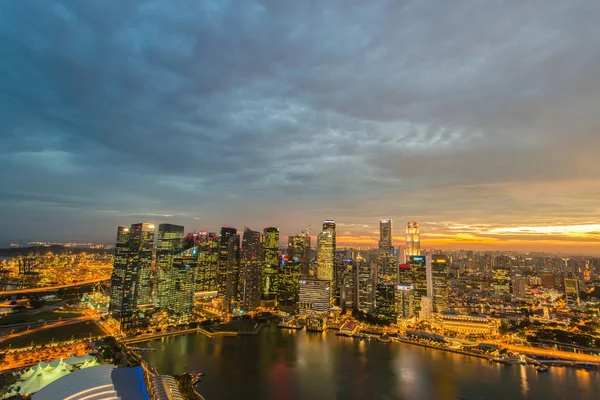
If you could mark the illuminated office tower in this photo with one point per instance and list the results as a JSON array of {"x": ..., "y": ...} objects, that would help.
[
  {"x": 253, "y": 253},
  {"x": 386, "y": 259},
  {"x": 413, "y": 240},
  {"x": 404, "y": 300},
  {"x": 271, "y": 268},
  {"x": 182, "y": 286},
  {"x": 439, "y": 273},
  {"x": 418, "y": 268},
  {"x": 326, "y": 254},
  {"x": 385, "y": 302},
  {"x": 314, "y": 296},
  {"x": 288, "y": 294},
  {"x": 572, "y": 290},
  {"x": 122, "y": 281},
  {"x": 501, "y": 275},
  {"x": 208, "y": 262},
  {"x": 548, "y": 280},
  {"x": 365, "y": 283},
  {"x": 228, "y": 266},
  {"x": 141, "y": 244},
  {"x": 347, "y": 284},
  {"x": 404, "y": 274},
  {"x": 169, "y": 243},
  {"x": 519, "y": 286},
  {"x": 299, "y": 251}
]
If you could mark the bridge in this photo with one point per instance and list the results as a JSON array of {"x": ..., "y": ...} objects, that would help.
[{"x": 51, "y": 288}]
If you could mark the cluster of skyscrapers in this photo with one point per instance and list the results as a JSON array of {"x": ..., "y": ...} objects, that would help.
[{"x": 163, "y": 272}]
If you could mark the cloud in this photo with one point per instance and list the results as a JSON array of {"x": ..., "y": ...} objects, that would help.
[{"x": 269, "y": 113}]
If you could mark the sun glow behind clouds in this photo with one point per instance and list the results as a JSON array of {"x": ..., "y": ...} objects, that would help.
[{"x": 562, "y": 230}]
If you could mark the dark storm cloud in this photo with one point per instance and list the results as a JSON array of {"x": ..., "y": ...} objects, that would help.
[{"x": 285, "y": 113}]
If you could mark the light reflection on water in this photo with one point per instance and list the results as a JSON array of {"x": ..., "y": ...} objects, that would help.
[{"x": 297, "y": 365}]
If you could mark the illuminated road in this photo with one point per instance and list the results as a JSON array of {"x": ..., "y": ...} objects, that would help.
[
  {"x": 552, "y": 353},
  {"x": 50, "y": 288}
]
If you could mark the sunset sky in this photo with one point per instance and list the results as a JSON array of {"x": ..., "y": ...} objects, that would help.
[{"x": 479, "y": 119}]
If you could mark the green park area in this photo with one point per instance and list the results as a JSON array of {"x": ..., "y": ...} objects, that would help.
[
  {"x": 80, "y": 330},
  {"x": 28, "y": 316}
]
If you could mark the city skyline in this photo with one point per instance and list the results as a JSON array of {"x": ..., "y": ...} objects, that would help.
[{"x": 257, "y": 114}]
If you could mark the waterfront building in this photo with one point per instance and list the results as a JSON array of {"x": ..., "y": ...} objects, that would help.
[
  {"x": 413, "y": 240},
  {"x": 299, "y": 252},
  {"x": 182, "y": 286},
  {"x": 450, "y": 323},
  {"x": 122, "y": 281},
  {"x": 270, "y": 270},
  {"x": 228, "y": 267},
  {"x": 252, "y": 263},
  {"x": 404, "y": 301},
  {"x": 316, "y": 323},
  {"x": 426, "y": 309},
  {"x": 314, "y": 296},
  {"x": 385, "y": 302},
  {"x": 208, "y": 262},
  {"x": 169, "y": 242},
  {"x": 501, "y": 275},
  {"x": 439, "y": 273},
  {"x": 288, "y": 294},
  {"x": 386, "y": 259},
  {"x": 365, "y": 287},
  {"x": 326, "y": 247},
  {"x": 418, "y": 268},
  {"x": 348, "y": 286}
]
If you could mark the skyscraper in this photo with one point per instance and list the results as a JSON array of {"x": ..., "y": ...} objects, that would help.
[
  {"x": 404, "y": 300},
  {"x": 182, "y": 286},
  {"x": 439, "y": 272},
  {"x": 413, "y": 240},
  {"x": 141, "y": 245},
  {"x": 501, "y": 275},
  {"x": 169, "y": 243},
  {"x": 572, "y": 289},
  {"x": 208, "y": 262},
  {"x": 130, "y": 280},
  {"x": 519, "y": 286},
  {"x": 122, "y": 281},
  {"x": 385, "y": 303},
  {"x": 326, "y": 254},
  {"x": 228, "y": 267},
  {"x": 288, "y": 294},
  {"x": 252, "y": 263},
  {"x": 418, "y": 268},
  {"x": 270, "y": 270},
  {"x": 365, "y": 287},
  {"x": 299, "y": 251},
  {"x": 387, "y": 269}
]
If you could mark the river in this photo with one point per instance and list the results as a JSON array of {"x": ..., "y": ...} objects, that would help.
[{"x": 285, "y": 364}]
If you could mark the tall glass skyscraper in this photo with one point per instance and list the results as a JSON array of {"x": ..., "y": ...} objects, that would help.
[
  {"x": 413, "y": 240},
  {"x": 365, "y": 287},
  {"x": 299, "y": 251},
  {"x": 439, "y": 272},
  {"x": 208, "y": 262},
  {"x": 387, "y": 268},
  {"x": 228, "y": 267},
  {"x": 252, "y": 263},
  {"x": 326, "y": 255},
  {"x": 271, "y": 268},
  {"x": 182, "y": 283},
  {"x": 141, "y": 244},
  {"x": 418, "y": 268},
  {"x": 169, "y": 243}
]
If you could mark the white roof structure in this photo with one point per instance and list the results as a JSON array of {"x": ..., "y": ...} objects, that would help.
[{"x": 41, "y": 377}]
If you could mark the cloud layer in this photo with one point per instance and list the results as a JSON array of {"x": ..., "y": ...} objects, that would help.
[{"x": 286, "y": 113}]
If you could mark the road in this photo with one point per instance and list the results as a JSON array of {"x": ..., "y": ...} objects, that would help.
[{"x": 50, "y": 288}]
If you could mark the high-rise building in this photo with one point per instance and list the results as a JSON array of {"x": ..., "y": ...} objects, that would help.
[
  {"x": 169, "y": 243},
  {"x": 228, "y": 267},
  {"x": 501, "y": 275},
  {"x": 208, "y": 262},
  {"x": 404, "y": 300},
  {"x": 439, "y": 272},
  {"x": 299, "y": 252},
  {"x": 141, "y": 245},
  {"x": 413, "y": 240},
  {"x": 365, "y": 287},
  {"x": 548, "y": 280},
  {"x": 347, "y": 284},
  {"x": 253, "y": 253},
  {"x": 404, "y": 274},
  {"x": 387, "y": 265},
  {"x": 326, "y": 254},
  {"x": 385, "y": 302},
  {"x": 271, "y": 269},
  {"x": 519, "y": 285},
  {"x": 314, "y": 296},
  {"x": 418, "y": 267},
  {"x": 182, "y": 285},
  {"x": 122, "y": 281},
  {"x": 288, "y": 294},
  {"x": 572, "y": 290},
  {"x": 130, "y": 279}
]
